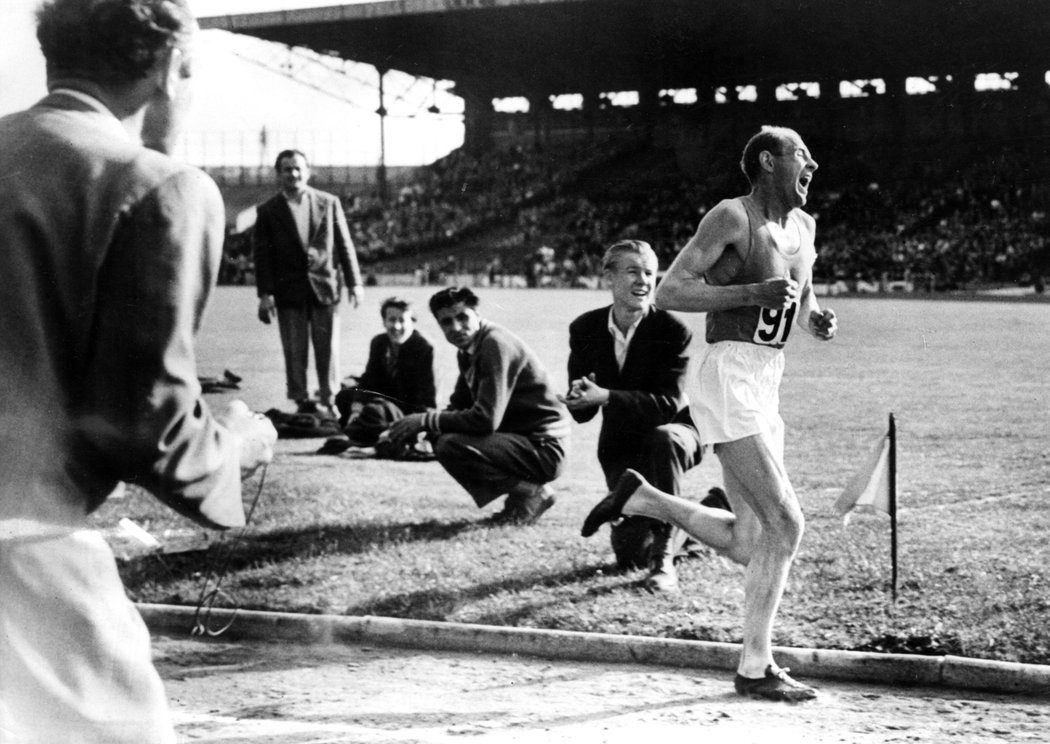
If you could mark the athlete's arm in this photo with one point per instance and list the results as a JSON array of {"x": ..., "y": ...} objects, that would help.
[{"x": 684, "y": 288}]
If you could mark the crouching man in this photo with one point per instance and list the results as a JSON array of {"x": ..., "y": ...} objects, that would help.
[{"x": 504, "y": 431}]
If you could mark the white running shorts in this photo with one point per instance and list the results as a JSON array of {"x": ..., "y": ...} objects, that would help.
[{"x": 734, "y": 393}]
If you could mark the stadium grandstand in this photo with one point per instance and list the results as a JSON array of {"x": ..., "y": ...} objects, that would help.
[{"x": 590, "y": 120}]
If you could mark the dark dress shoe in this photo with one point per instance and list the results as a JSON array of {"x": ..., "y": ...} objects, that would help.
[
  {"x": 334, "y": 446},
  {"x": 610, "y": 508},
  {"x": 306, "y": 406},
  {"x": 532, "y": 508},
  {"x": 662, "y": 580},
  {"x": 524, "y": 506},
  {"x": 634, "y": 541},
  {"x": 775, "y": 685}
]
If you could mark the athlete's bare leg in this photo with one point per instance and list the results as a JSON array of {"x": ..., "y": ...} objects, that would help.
[
  {"x": 756, "y": 475},
  {"x": 762, "y": 533}
]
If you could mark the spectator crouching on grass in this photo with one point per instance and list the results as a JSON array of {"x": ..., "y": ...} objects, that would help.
[
  {"x": 504, "y": 431},
  {"x": 398, "y": 378}
]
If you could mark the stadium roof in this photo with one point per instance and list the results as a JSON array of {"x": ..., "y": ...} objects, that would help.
[{"x": 518, "y": 47}]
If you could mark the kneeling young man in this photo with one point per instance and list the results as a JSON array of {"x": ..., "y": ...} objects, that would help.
[
  {"x": 628, "y": 361},
  {"x": 504, "y": 431}
]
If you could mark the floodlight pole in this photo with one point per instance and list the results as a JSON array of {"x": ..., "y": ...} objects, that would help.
[
  {"x": 892, "y": 462},
  {"x": 381, "y": 168}
]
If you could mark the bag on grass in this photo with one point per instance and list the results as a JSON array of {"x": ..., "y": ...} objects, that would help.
[
  {"x": 375, "y": 417},
  {"x": 302, "y": 425}
]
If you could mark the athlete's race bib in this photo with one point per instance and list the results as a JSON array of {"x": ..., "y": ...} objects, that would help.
[{"x": 774, "y": 325}]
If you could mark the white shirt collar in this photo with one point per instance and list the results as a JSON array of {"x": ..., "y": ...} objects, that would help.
[{"x": 622, "y": 341}]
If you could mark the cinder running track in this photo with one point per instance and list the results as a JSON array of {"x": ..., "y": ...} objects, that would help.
[{"x": 262, "y": 693}]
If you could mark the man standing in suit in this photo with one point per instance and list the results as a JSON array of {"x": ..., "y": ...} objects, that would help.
[
  {"x": 303, "y": 257},
  {"x": 628, "y": 360},
  {"x": 109, "y": 253}
]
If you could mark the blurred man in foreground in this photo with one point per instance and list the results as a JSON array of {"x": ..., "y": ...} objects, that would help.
[{"x": 109, "y": 253}]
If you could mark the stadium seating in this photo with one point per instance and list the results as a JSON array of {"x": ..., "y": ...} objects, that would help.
[{"x": 912, "y": 222}]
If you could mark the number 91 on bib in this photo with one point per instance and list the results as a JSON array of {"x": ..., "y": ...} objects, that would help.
[{"x": 774, "y": 325}]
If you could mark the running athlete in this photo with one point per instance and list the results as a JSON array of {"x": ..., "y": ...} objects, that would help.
[{"x": 749, "y": 267}]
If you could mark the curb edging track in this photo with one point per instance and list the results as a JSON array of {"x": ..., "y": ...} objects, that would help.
[{"x": 892, "y": 669}]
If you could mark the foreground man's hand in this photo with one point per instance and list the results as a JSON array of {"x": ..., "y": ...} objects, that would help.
[{"x": 257, "y": 433}]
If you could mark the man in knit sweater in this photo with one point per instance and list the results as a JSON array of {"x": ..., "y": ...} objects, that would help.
[{"x": 504, "y": 431}]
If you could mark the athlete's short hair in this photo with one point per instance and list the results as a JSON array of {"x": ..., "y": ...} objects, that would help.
[
  {"x": 621, "y": 247},
  {"x": 450, "y": 296},
  {"x": 113, "y": 42},
  {"x": 769, "y": 138}
]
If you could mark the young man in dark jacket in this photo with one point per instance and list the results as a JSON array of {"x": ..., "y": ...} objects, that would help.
[
  {"x": 398, "y": 377},
  {"x": 504, "y": 431}
]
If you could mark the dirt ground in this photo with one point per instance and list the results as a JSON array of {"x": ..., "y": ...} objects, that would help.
[{"x": 261, "y": 693}]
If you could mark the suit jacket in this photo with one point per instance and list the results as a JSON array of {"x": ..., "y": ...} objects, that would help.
[
  {"x": 412, "y": 384},
  {"x": 297, "y": 274},
  {"x": 647, "y": 393},
  {"x": 109, "y": 253}
]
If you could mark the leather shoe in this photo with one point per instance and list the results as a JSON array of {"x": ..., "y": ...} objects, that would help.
[
  {"x": 504, "y": 515},
  {"x": 335, "y": 446},
  {"x": 525, "y": 505},
  {"x": 774, "y": 685},
  {"x": 306, "y": 406},
  {"x": 610, "y": 508},
  {"x": 662, "y": 581},
  {"x": 533, "y": 506}
]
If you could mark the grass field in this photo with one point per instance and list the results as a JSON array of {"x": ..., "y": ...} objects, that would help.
[{"x": 966, "y": 380}]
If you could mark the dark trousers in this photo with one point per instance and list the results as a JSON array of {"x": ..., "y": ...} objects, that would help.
[
  {"x": 662, "y": 458},
  {"x": 491, "y": 465},
  {"x": 300, "y": 327}
]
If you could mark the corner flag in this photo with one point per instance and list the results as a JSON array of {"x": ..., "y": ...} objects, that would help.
[
  {"x": 871, "y": 486},
  {"x": 874, "y": 487}
]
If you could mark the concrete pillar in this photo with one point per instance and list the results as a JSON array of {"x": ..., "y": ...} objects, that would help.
[{"x": 478, "y": 118}]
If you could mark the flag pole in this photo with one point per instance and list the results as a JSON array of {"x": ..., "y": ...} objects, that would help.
[{"x": 893, "y": 504}]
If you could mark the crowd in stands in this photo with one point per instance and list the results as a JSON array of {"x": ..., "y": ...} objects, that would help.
[
  {"x": 985, "y": 224},
  {"x": 237, "y": 265},
  {"x": 462, "y": 192},
  {"x": 932, "y": 224},
  {"x": 933, "y": 228}
]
